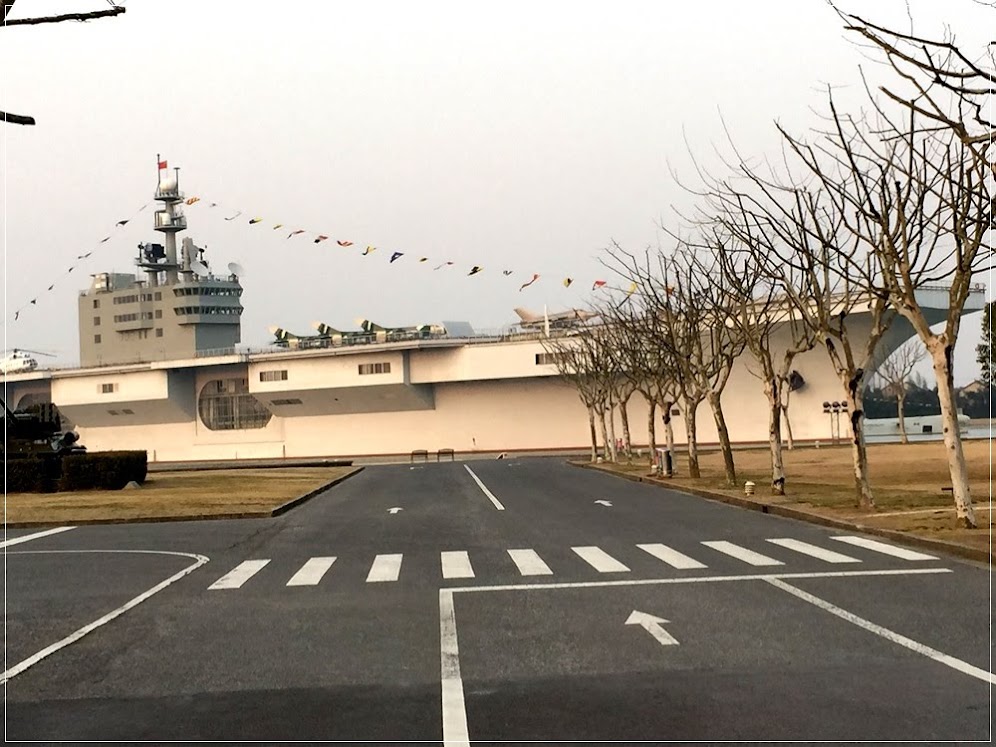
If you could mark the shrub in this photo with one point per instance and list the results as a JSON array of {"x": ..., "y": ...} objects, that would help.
[{"x": 103, "y": 470}]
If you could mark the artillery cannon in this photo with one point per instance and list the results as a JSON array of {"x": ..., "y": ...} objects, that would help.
[{"x": 35, "y": 431}]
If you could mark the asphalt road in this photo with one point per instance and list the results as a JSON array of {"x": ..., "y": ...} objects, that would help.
[{"x": 508, "y": 600}]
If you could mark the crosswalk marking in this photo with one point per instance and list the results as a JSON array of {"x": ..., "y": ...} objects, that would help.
[
  {"x": 899, "y": 552},
  {"x": 742, "y": 553},
  {"x": 385, "y": 568},
  {"x": 600, "y": 560},
  {"x": 673, "y": 558},
  {"x": 239, "y": 574},
  {"x": 456, "y": 564},
  {"x": 311, "y": 572},
  {"x": 529, "y": 563},
  {"x": 813, "y": 551}
]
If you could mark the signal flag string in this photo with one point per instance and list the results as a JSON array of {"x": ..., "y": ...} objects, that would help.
[
  {"x": 80, "y": 260},
  {"x": 318, "y": 238}
]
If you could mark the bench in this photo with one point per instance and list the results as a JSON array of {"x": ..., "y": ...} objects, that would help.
[
  {"x": 445, "y": 452},
  {"x": 420, "y": 453}
]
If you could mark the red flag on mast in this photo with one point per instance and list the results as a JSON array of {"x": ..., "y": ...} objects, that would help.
[{"x": 162, "y": 165}]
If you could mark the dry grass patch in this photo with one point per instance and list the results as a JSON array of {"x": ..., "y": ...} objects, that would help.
[
  {"x": 906, "y": 478},
  {"x": 176, "y": 495}
]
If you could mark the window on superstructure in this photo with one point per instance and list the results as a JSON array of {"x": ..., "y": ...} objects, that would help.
[
  {"x": 366, "y": 369},
  {"x": 546, "y": 359},
  {"x": 159, "y": 333},
  {"x": 96, "y": 303},
  {"x": 159, "y": 313},
  {"x": 227, "y": 405},
  {"x": 96, "y": 339},
  {"x": 108, "y": 388},
  {"x": 273, "y": 375},
  {"x": 96, "y": 321},
  {"x": 159, "y": 295}
]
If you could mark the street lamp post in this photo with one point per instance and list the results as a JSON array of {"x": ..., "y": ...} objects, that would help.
[{"x": 834, "y": 409}]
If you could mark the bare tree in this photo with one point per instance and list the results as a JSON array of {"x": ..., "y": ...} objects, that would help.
[
  {"x": 895, "y": 372},
  {"x": 759, "y": 311},
  {"x": 576, "y": 363},
  {"x": 114, "y": 10}
]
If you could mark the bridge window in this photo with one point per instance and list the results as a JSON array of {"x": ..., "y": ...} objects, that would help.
[
  {"x": 293, "y": 401},
  {"x": 227, "y": 405},
  {"x": 273, "y": 375},
  {"x": 108, "y": 388}
]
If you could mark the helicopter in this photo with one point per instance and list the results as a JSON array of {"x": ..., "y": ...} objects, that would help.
[{"x": 20, "y": 360}]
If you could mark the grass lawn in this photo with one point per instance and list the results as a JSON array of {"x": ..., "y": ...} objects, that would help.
[
  {"x": 906, "y": 480},
  {"x": 175, "y": 495}
]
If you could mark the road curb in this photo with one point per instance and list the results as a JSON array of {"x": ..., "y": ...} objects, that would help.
[
  {"x": 951, "y": 548},
  {"x": 277, "y": 511}
]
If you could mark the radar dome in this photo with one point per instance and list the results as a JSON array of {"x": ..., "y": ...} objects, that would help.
[{"x": 168, "y": 184}]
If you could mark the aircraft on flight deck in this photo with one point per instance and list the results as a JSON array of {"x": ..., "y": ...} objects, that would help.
[
  {"x": 20, "y": 360},
  {"x": 558, "y": 320},
  {"x": 420, "y": 331}
]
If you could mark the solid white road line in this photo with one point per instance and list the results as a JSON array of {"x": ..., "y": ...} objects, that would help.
[
  {"x": 529, "y": 563},
  {"x": 73, "y": 637},
  {"x": 456, "y": 564},
  {"x": 36, "y": 535},
  {"x": 673, "y": 558},
  {"x": 484, "y": 487},
  {"x": 817, "y": 552},
  {"x": 385, "y": 568},
  {"x": 311, "y": 572},
  {"x": 742, "y": 553},
  {"x": 930, "y": 653},
  {"x": 239, "y": 574},
  {"x": 899, "y": 552},
  {"x": 600, "y": 560},
  {"x": 700, "y": 579},
  {"x": 455, "y": 732}
]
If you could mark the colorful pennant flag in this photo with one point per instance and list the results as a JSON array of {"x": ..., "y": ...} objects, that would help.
[
  {"x": 423, "y": 259},
  {"x": 474, "y": 270},
  {"x": 192, "y": 200},
  {"x": 444, "y": 264},
  {"x": 279, "y": 225},
  {"x": 295, "y": 233},
  {"x": 235, "y": 216},
  {"x": 121, "y": 223},
  {"x": 106, "y": 238},
  {"x": 344, "y": 243},
  {"x": 526, "y": 285},
  {"x": 397, "y": 255},
  {"x": 253, "y": 221},
  {"x": 597, "y": 284},
  {"x": 506, "y": 273},
  {"x": 567, "y": 282},
  {"x": 366, "y": 251},
  {"x": 321, "y": 238}
]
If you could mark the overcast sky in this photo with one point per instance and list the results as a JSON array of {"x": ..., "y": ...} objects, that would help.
[{"x": 514, "y": 135}]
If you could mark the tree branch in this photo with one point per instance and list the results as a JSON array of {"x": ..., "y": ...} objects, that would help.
[
  {"x": 59, "y": 19},
  {"x": 17, "y": 118}
]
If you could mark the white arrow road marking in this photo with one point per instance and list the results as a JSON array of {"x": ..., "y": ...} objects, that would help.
[
  {"x": 239, "y": 574},
  {"x": 394, "y": 510},
  {"x": 484, "y": 487},
  {"x": 899, "y": 552},
  {"x": 34, "y": 536},
  {"x": 652, "y": 625},
  {"x": 311, "y": 572},
  {"x": 604, "y": 503}
]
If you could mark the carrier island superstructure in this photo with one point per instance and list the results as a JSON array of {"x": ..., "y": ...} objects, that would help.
[{"x": 160, "y": 371}]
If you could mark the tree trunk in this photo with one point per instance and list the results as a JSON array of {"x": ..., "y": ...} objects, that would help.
[
  {"x": 652, "y": 430},
  {"x": 900, "y": 400},
  {"x": 594, "y": 435},
  {"x": 775, "y": 439},
  {"x": 941, "y": 358},
  {"x": 855, "y": 413},
  {"x": 605, "y": 433},
  {"x": 627, "y": 442},
  {"x": 613, "y": 451},
  {"x": 724, "y": 439},
  {"x": 669, "y": 438},
  {"x": 788, "y": 423},
  {"x": 688, "y": 410}
]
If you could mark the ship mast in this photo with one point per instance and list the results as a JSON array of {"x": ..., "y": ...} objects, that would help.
[{"x": 170, "y": 219}]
